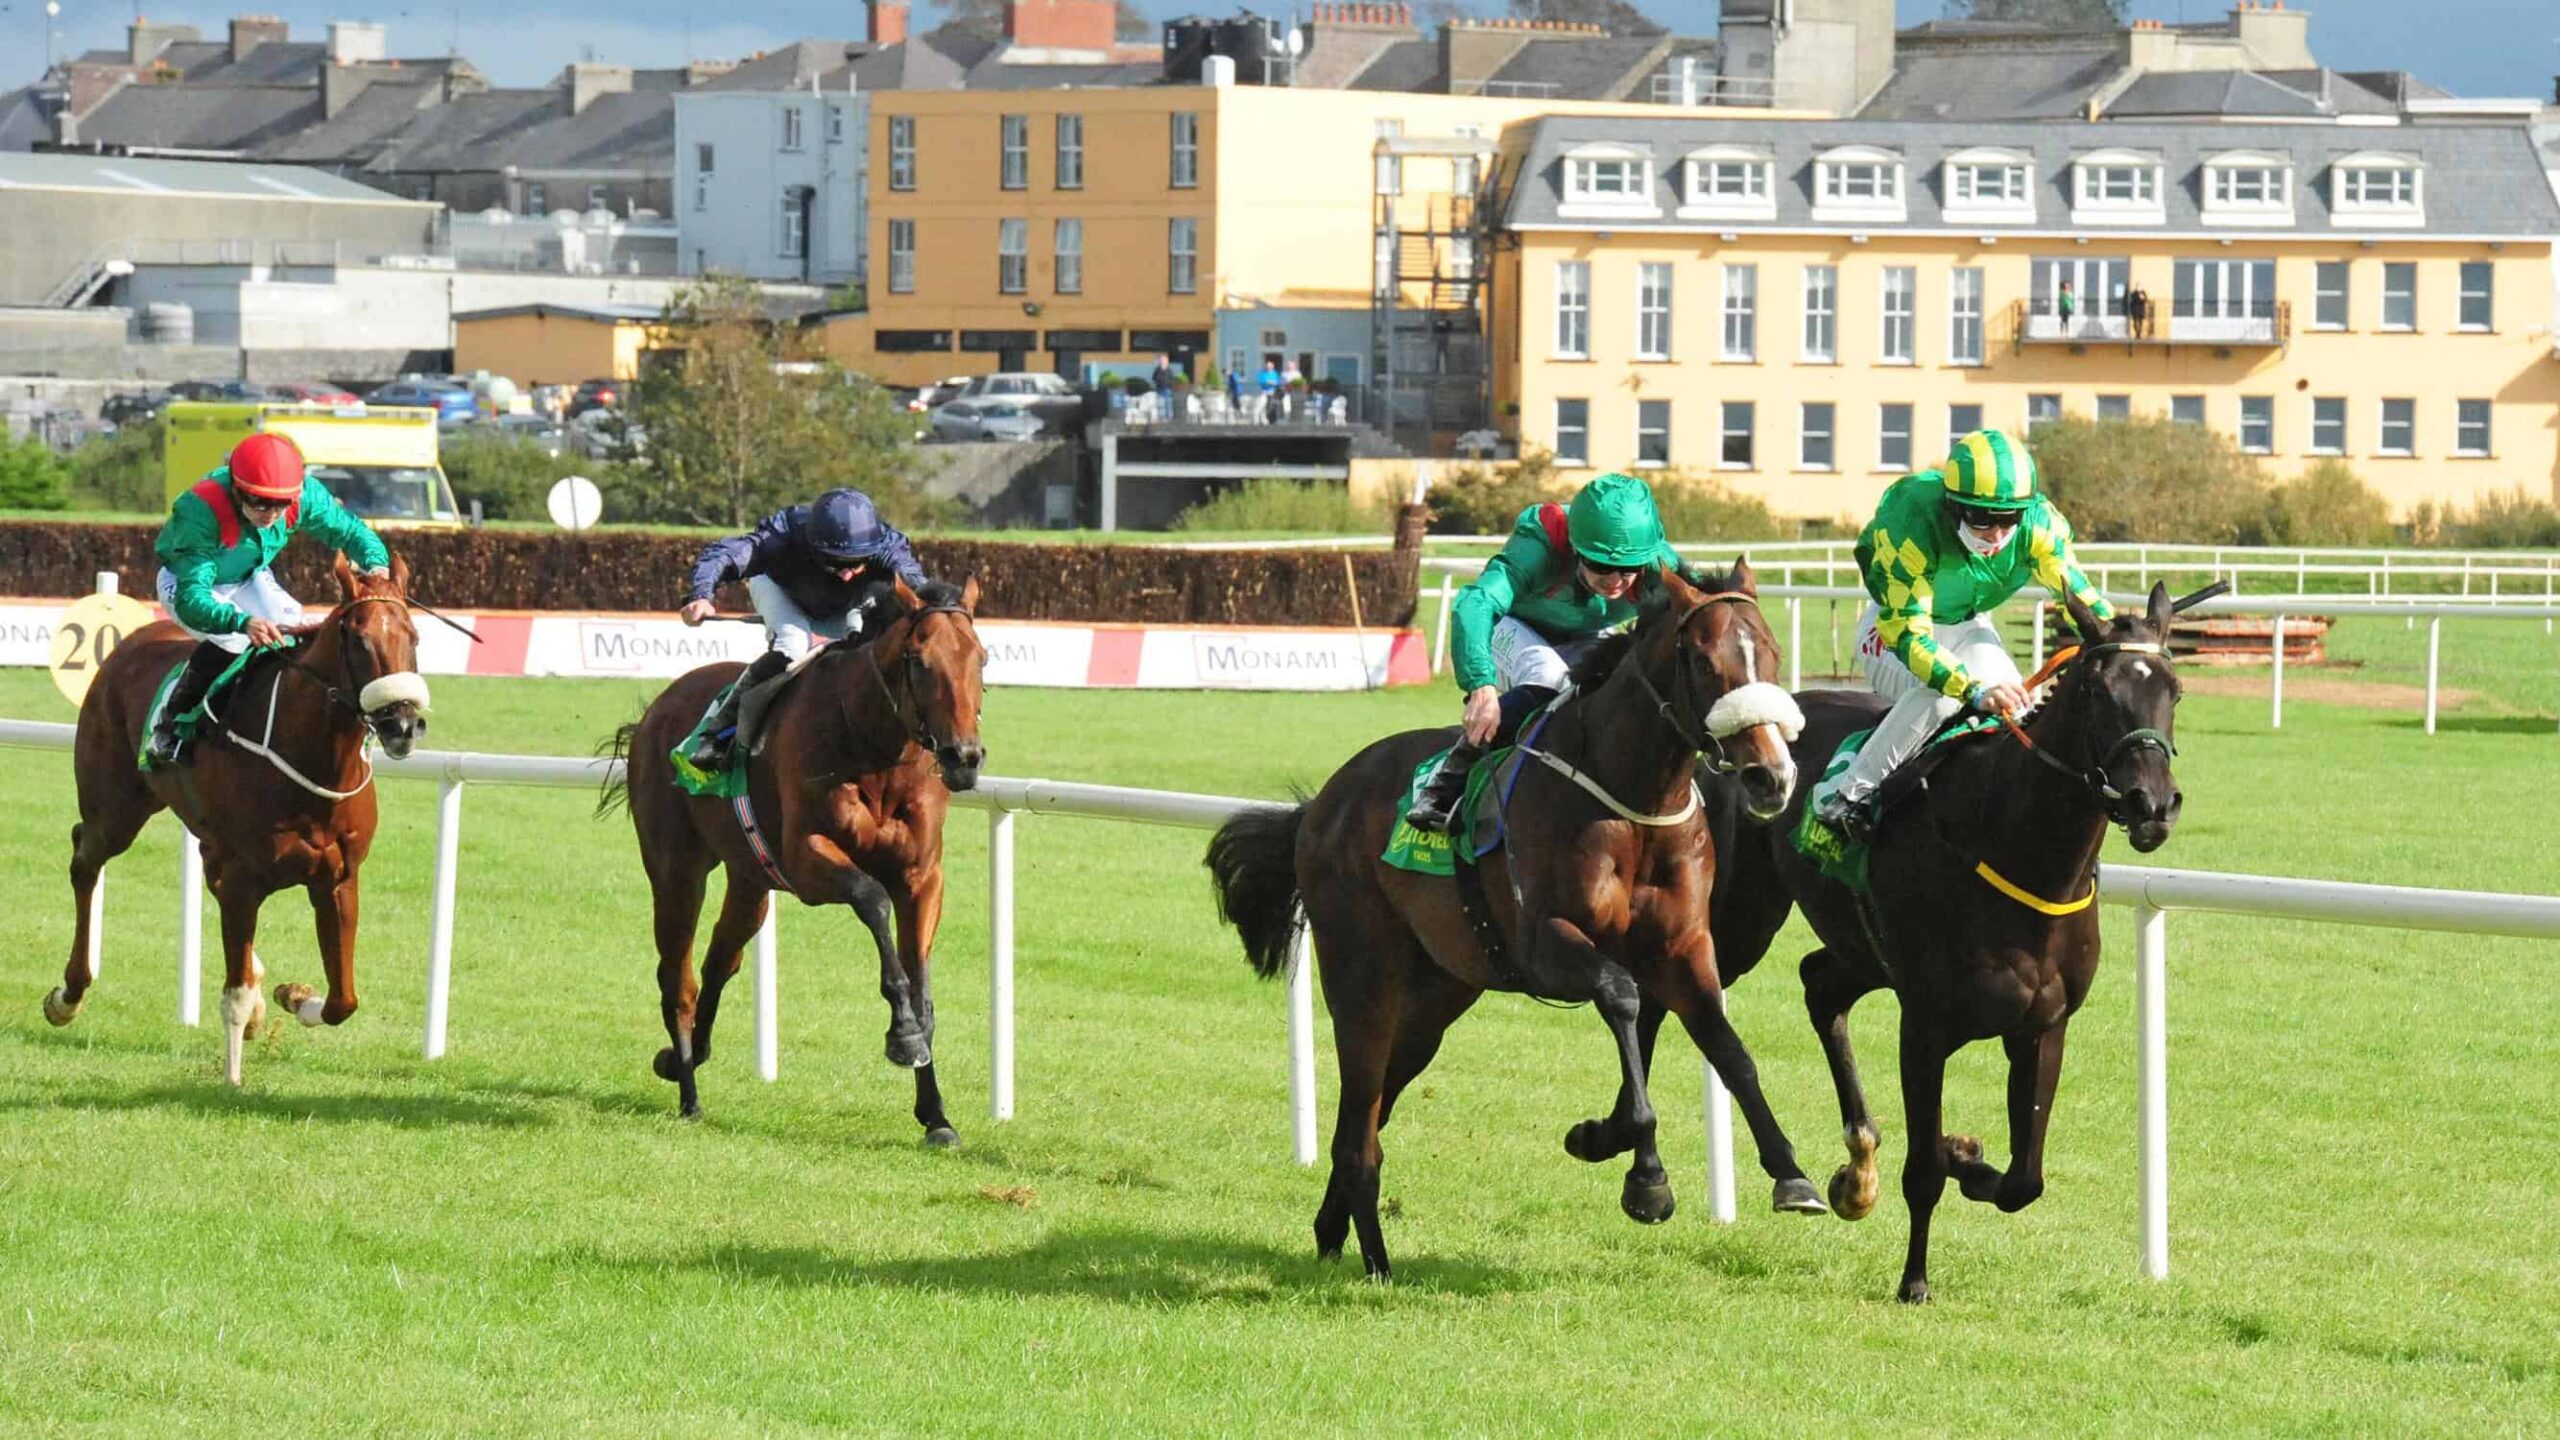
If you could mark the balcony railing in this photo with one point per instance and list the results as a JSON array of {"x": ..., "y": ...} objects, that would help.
[{"x": 2263, "y": 324}]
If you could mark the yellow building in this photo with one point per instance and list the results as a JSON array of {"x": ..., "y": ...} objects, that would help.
[
  {"x": 1809, "y": 310},
  {"x": 545, "y": 344}
]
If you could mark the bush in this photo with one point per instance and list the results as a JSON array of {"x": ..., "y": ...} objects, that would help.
[
  {"x": 2508, "y": 519},
  {"x": 2150, "y": 479},
  {"x": 2328, "y": 504},
  {"x": 1314, "y": 507},
  {"x": 1211, "y": 377},
  {"x": 512, "y": 477},
  {"x": 1698, "y": 508},
  {"x": 32, "y": 477},
  {"x": 120, "y": 471},
  {"x": 1488, "y": 499}
]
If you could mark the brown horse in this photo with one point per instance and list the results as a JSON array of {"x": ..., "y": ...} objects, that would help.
[
  {"x": 1600, "y": 893},
  {"x": 1982, "y": 919},
  {"x": 279, "y": 789},
  {"x": 855, "y": 768}
]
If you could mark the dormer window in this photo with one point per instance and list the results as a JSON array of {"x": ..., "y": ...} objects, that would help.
[
  {"x": 1857, "y": 182},
  {"x": 1990, "y": 186},
  {"x": 2248, "y": 187},
  {"x": 1729, "y": 182},
  {"x": 2117, "y": 187},
  {"x": 1608, "y": 182},
  {"x": 2377, "y": 188}
]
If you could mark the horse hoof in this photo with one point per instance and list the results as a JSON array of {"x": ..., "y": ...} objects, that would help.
[
  {"x": 689, "y": 1110},
  {"x": 1647, "y": 1204},
  {"x": 665, "y": 1066},
  {"x": 1853, "y": 1193},
  {"x": 1588, "y": 1142},
  {"x": 300, "y": 1001},
  {"x": 1960, "y": 1150},
  {"x": 1794, "y": 1196},
  {"x": 909, "y": 1051},
  {"x": 58, "y": 1011},
  {"x": 1913, "y": 1292},
  {"x": 942, "y": 1137}
]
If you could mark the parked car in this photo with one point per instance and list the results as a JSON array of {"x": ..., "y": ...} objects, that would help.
[
  {"x": 133, "y": 407},
  {"x": 552, "y": 436},
  {"x": 311, "y": 392},
  {"x": 595, "y": 395},
  {"x": 1005, "y": 417},
  {"x": 450, "y": 399},
  {"x": 224, "y": 391},
  {"x": 940, "y": 392},
  {"x": 1056, "y": 402},
  {"x": 606, "y": 435}
]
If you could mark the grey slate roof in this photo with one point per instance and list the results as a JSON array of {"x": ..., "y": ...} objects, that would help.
[
  {"x": 532, "y": 129},
  {"x": 2479, "y": 179},
  {"x": 132, "y": 175},
  {"x": 1996, "y": 83},
  {"x": 358, "y": 132},
  {"x": 466, "y": 132},
  {"x": 1412, "y": 65},
  {"x": 1579, "y": 68},
  {"x": 2244, "y": 94},
  {"x": 188, "y": 117}
]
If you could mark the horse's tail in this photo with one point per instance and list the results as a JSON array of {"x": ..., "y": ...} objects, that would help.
[
  {"x": 615, "y": 793},
  {"x": 1254, "y": 860}
]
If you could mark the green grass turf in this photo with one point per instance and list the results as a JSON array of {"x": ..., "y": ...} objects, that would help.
[{"x": 522, "y": 1238}]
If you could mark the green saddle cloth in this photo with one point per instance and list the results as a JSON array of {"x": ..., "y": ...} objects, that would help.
[
  {"x": 189, "y": 723},
  {"x": 727, "y": 783},
  {"x": 1422, "y": 852},
  {"x": 1839, "y": 856}
]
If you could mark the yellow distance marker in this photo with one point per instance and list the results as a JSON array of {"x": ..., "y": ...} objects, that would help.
[{"x": 88, "y": 633}]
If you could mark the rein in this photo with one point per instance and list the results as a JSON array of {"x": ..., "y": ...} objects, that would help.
[
  {"x": 264, "y": 746},
  {"x": 915, "y": 732}
]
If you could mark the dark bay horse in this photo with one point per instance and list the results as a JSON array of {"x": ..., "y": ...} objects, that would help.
[
  {"x": 1600, "y": 894},
  {"x": 279, "y": 791},
  {"x": 849, "y": 785},
  {"x": 1983, "y": 921}
]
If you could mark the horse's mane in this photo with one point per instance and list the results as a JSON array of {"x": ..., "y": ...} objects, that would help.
[{"x": 1602, "y": 659}]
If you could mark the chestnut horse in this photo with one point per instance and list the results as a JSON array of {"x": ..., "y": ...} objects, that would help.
[
  {"x": 1599, "y": 894},
  {"x": 855, "y": 767},
  {"x": 278, "y": 788},
  {"x": 1981, "y": 918}
]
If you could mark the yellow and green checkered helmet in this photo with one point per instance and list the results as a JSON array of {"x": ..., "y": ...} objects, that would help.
[{"x": 1990, "y": 470}]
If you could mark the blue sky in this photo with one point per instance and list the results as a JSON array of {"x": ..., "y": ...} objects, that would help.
[{"x": 2472, "y": 47}]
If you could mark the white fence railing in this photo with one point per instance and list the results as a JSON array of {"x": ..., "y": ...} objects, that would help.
[{"x": 2151, "y": 893}]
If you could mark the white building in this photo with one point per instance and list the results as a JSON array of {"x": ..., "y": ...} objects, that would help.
[{"x": 770, "y": 185}]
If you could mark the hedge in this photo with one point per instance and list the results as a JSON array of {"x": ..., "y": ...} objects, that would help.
[{"x": 533, "y": 570}]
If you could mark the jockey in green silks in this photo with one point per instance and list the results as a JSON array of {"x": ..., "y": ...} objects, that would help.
[
  {"x": 1568, "y": 573},
  {"x": 1946, "y": 548}
]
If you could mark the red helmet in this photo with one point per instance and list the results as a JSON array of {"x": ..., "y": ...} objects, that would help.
[{"x": 268, "y": 466}]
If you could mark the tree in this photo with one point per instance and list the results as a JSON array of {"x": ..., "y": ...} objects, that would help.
[
  {"x": 1618, "y": 17},
  {"x": 735, "y": 419},
  {"x": 2043, "y": 14},
  {"x": 32, "y": 477},
  {"x": 2150, "y": 478}
]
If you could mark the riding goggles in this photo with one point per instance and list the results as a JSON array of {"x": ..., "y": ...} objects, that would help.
[{"x": 1981, "y": 518}]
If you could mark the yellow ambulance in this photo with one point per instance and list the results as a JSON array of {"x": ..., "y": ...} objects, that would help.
[{"x": 380, "y": 462}]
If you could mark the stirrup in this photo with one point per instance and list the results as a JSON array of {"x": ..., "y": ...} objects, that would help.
[
  {"x": 711, "y": 753},
  {"x": 166, "y": 747},
  {"x": 1855, "y": 819},
  {"x": 1435, "y": 808}
]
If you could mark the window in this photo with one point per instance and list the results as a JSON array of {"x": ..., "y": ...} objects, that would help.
[
  {"x": 1987, "y": 185},
  {"x": 535, "y": 198},
  {"x": 1186, "y": 150},
  {"x": 2258, "y": 424},
  {"x": 1070, "y": 249},
  {"x": 1813, "y": 447},
  {"x": 2399, "y": 427},
  {"x": 1901, "y": 287},
  {"x": 835, "y": 124},
  {"x": 702, "y": 172},
  {"x": 1573, "y": 432},
  {"x": 2042, "y": 410},
  {"x": 1612, "y": 178},
  {"x": 1653, "y": 312},
  {"x": 2186, "y": 409},
  {"x": 1964, "y": 316},
  {"x": 1070, "y": 152},
  {"x": 1962, "y": 420},
  {"x": 1182, "y": 257},
  {"x": 902, "y": 257},
  {"x": 596, "y": 197},
  {"x": 1730, "y": 182},
  {"x": 1653, "y": 432},
  {"x": 2117, "y": 187},
  {"x": 2328, "y": 425},
  {"x": 1893, "y": 437},
  {"x": 791, "y": 123},
  {"x": 1013, "y": 256},
  {"x": 2225, "y": 300},
  {"x": 1852, "y": 182},
  {"x": 2096, "y": 285},
  {"x": 1573, "y": 309},
  {"x": 2471, "y": 428},
  {"x": 2479, "y": 296},
  {"x": 2115, "y": 407},
  {"x": 1734, "y": 449},
  {"x": 902, "y": 152},
  {"x": 1741, "y": 312},
  {"x": 2248, "y": 187},
  {"x": 1821, "y": 314},
  {"x": 2381, "y": 187},
  {"x": 795, "y": 225},
  {"x": 2400, "y": 295},
  {"x": 1014, "y": 150},
  {"x": 2378, "y": 189},
  {"x": 2329, "y": 295}
]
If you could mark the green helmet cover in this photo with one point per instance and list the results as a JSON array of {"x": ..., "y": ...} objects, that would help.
[{"x": 1613, "y": 522}]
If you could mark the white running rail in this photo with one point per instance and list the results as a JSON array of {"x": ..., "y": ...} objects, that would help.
[{"x": 2150, "y": 893}]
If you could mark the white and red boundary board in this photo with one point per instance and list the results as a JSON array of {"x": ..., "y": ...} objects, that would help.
[{"x": 1019, "y": 652}]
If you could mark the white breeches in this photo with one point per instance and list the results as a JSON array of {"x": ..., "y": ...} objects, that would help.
[
  {"x": 259, "y": 595},
  {"x": 790, "y": 629},
  {"x": 1522, "y": 656},
  {"x": 1918, "y": 710}
]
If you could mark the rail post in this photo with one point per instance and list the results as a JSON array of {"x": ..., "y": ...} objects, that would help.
[
  {"x": 769, "y": 994},
  {"x": 1795, "y": 642},
  {"x": 190, "y": 928},
  {"x": 2150, "y": 987},
  {"x": 440, "y": 932},
  {"x": 1440, "y": 637},
  {"x": 2435, "y": 640},
  {"x": 2275, "y": 720},
  {"x": 2037, "y": 663},
  {"x": 1302, "y": 1044},
  {"x": 1720, "y": 1203},
  {"x": 1000, "y": 964}
]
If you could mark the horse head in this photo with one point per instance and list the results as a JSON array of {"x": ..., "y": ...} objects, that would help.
[
  {"x": 366, "y": 651},
  {"x": 937, "y": 676},
  {"x": 2123, "y": 692},
  {"x": 1735, "y": 711}
]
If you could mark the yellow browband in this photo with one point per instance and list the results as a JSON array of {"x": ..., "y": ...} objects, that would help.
[{"x": 2001, "y": 883}]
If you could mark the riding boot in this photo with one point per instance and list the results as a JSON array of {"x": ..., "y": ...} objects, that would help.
[
  {"x": 203, "y": 668},
  {"x": 734, "y": 720},
  {"x": 1432, "y": 809}
]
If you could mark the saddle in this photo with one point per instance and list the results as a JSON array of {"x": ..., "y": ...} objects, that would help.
[
  {"x": 202, "y": 715},
  {"x": 1477, "y": 829},
  {"x": 1841, "y": 857}
]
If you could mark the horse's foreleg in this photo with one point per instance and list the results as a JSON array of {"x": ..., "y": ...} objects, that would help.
[
  {"x": 742, "y": 910},
  {"x": 919, "y": 915},
  {"x": 1924, "y": 1170},
  {"x": 676, "y": 898},
  {"x": 1608, "y": 1137},
  {"x": 333, "y": 913},
  {"x": 1833, "y": 984},
  {"x": 1703, "y": 1013},
  {"x": 2035, "y": 1068},
  {"x": 1646, "y": 1196},
  {"x": 908, "y": 1045},
  {"x": 242, "y": 1006}
]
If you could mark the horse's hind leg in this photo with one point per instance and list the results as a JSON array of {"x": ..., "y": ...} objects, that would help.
[
  {"x": 1924, "y": 1170},
  {"x": 239, "y": 895},
  {"x": 112, "y": 811},
  {"x": 1832, "y": 984},
  {"x": 1611, "y": 1135},
  {"x": 919, "y": 915},
  {"x": 676, "y": 898},
  {"x": 742, "y": 909},
  {"x": 1364, "y": 992},
  {"x": 1646, "y": 1196}
]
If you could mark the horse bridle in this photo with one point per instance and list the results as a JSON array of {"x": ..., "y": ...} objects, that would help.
[
  {"x": 351, "y": 697},
  {"x": 2097, "y": 778},
  {"x": 908, "y": 664},
  {"x": 1693, "y": 734}
]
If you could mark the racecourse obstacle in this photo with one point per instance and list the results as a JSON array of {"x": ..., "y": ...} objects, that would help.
[{"x": 2150, "y": 893}]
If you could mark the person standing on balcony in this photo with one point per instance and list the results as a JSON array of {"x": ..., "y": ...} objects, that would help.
[{"x": 2066, "y": 305}]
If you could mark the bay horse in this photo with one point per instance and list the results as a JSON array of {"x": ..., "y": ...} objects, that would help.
[
  {"x": 1600, "y": 892},
  {"x": 851, "y": 777},
  {"x": 1982, "y": 919},
  {"x": 278, "y": 788}
]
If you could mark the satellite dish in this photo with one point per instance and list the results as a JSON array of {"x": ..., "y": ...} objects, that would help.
[{"x": 576, "y": 503}]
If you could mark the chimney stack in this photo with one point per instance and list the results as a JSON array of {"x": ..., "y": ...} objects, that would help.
[
  {"x": 1061, "y": 24},
  {"x": 888, "y": 22},
  {"x": 248, "y": 32},
  {"x": 353, "y": 43},
  {"x": 585, "y": 81}
]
